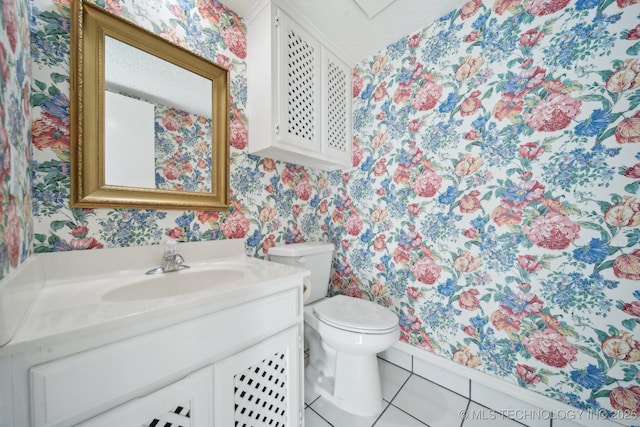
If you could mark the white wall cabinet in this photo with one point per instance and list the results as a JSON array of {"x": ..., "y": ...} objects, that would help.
[
  {"x": 198, "y": 372},
  {"x": 299, "y": 94}
]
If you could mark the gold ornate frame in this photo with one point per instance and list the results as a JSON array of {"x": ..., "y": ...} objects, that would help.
[{"x": 90, "y": 24}]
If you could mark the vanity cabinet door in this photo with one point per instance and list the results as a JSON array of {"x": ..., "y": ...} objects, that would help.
[
  {"x": 187, "y": 402},
  {"x": 261, "y": 386},
  {"x": 300, "y": 81}
]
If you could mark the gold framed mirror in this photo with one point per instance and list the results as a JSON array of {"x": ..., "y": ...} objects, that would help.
[{"x": 149, "y": 119}]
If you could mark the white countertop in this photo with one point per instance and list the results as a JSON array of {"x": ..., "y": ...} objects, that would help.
[{"x": 73, "y": 307}]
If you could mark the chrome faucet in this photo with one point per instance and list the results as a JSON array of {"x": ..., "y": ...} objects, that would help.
[{"x": 171, "y": 260}]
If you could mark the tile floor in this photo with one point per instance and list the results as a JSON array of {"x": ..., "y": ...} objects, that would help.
[{"x": 405, "y": 406}]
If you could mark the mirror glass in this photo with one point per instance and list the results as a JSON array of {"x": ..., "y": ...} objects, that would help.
[
  {"x": 152, "y": 119},
  {"x": 157, "y": 135}
]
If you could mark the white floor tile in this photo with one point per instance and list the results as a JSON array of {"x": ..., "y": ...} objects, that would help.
[
  {"x": 310, "y": 395},
  {"x": 340, "y": 418},
  {"x": 311, "y": 419},
  {"x": 394, "y": 417},
  {"x": 479, "y": 416},
  {"x": 397, "y": 357},
  {"x": 416, "y": 401},
  {"x": 433, "y": 405},
  {"x": 392, "y": 377}
]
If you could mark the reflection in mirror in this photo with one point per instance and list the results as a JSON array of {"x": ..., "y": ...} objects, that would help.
[
  {"x": 152, "y": 115},
  {"x": 150, "y": 119}
]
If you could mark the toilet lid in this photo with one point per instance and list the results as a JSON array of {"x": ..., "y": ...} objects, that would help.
[{"x": 355, "y": 314}]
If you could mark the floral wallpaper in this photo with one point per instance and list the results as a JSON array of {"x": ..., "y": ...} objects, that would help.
[
  {"x": 182, "y": 150},
  {"x": 15, "y": 136},
  {"x": 496, "y": 201},
  {"x": 271, "y": 202}
]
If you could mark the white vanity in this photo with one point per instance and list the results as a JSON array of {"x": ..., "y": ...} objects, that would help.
[{"x": 103, "y": 344}]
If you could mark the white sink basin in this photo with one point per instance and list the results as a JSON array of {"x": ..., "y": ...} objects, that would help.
[{"x": 177, "y": 283}]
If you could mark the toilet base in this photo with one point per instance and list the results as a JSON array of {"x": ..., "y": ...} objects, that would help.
[{"x": 357, "y": 390}]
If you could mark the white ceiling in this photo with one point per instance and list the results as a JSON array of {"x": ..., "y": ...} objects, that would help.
[
  {"x": 373, "y": 7},
  {"x": 347, "y": 24}
]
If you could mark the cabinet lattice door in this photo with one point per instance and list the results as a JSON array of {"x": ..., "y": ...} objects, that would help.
[
  {"x": 337, "y": 108},
  {"x": 260, "y": 393},
  {"x": 258, "y": 387},
  {"x": 180, "y": 416},
  {"x": 300, "y": 88}
]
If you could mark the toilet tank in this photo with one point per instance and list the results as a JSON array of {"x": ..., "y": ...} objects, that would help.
[{"x": 313, "y": 256}]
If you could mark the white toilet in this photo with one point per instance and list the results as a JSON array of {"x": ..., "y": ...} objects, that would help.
[{"x": 344, "y": 334}]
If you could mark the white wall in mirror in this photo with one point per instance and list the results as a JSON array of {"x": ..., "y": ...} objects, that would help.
[
  {"x": 130, "y": 70},
  {"x": 129, "y": 141}
]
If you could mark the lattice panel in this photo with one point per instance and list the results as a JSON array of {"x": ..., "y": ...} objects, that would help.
[
  {"x": 260, "y": 394},
  {"x": 337, "y": 111},
  {"x": 179, "y": 417},
  {"x": 301, "y": 76}
]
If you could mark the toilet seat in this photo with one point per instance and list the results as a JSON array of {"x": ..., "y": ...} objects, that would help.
[{"x": 356, "y": 315}]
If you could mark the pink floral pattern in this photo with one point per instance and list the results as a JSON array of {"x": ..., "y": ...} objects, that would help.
[
  {"x": 544, "y": 7},
  {"x": 425, "y": 270},
  {"x": 550, "y": 347},
  {"x": 182, "y": 150},
  {"x": 426, "y": 97},
  {"x": 553, "y": 231},
  {"x": 236, "y": 226},
  {"x": 553, "y": 113},
  {"x": 426, "y": 184}
]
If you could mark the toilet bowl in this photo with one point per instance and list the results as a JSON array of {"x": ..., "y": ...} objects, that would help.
[
  {"x": 346, "y": 373},
  {"x": 344, "y": 334}
]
